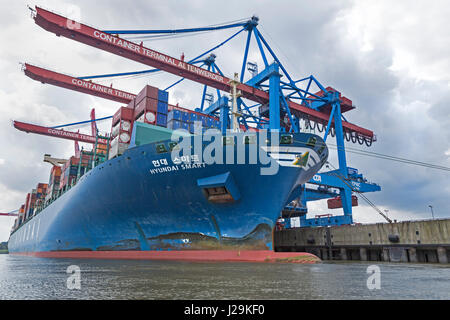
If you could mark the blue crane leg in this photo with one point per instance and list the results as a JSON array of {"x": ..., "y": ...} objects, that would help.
[{"x": 274, "y": 101}]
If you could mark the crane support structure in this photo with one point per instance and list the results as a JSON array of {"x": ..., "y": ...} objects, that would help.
[
  {"x": 70, "y": 29},
  {"x": 72, "y": 83},
  {"x": 59, "y": 133}
]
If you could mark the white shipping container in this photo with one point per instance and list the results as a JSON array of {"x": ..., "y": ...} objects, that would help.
[{"x": 117, "y": 148}]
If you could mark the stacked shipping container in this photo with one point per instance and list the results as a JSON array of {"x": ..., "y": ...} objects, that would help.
[
  {"x": 54, "y": 182},
  {"x": 151, "y": 106},
  {"x": 31, "y": 203},
  {"x": 33, "y": 199},
  {"x": 60, "y": 177},
  {"x": 21, "y": 216},
  {"x": 69, "y": 170},
  {"x": 102, "y": 149},
  {"x": 179, "y": 118},
  {"x": 122, "y": 126},
  {"x": 41, "y": 192}
]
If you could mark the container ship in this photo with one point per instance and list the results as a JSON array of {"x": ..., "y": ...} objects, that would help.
[
  {"x": 168, "y": 180},
  {"x": 132, "y": 194}
]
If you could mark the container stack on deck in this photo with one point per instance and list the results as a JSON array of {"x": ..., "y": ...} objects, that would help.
[
  {"x": 72, "y": 169},
  {"x": 41, "y": 192},
  {"x": 20, "y": 217},
  {"x": 101, "y": 149},
  {"x": 54, "y": 182},
  {"x": 31, "y": 203},
  {"x": 122, "y": 125},
  {"x": 61, "y": 178},
  {"x": 33, "y": 199},
  {"x": 69, "y": 172},
  {"x": 151, "y": 107},
  {"x": 190, "y": 120},
  {"x": 175, "y": 120}
]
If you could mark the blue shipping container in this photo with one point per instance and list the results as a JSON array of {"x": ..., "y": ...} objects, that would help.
[
  {"x": 161, "y": 120},
  {"x": 174, "y": 124},
  {"x": 193, "y": 117},
  {"x": 73, "y": 170},
  {"x": 205, "y": 121},
  {"x": 185, "y": 126},
  {"x": 185, "y": 116},
  {"x": 162, "y": 107},
  {"x": 174, "y": 115},
  {"x": 163, "y": 96}
]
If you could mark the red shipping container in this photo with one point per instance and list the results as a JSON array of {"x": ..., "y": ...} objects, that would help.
[
  {"x": 86, "y": 160},
  {"x": 336, "y": 203},
  {"x": 72, "y": 161},
  {"x": 33, "y": 199},
  {"x": 123, "y": 113},
  {"x": 55, "y": 175},
  {"x": 131, "y": 105},
  {"x": 147, "y": 104},
  {"x": 146, "y": 111},
  {"x": 41, "y": 186},
  {"x": 56, "y": 171},
  {"x": 147, "y": 91}
]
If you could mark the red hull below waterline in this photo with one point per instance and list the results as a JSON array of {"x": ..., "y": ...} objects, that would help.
[{"x": 194, "y": 255}]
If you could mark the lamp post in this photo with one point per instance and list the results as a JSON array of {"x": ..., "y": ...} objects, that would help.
[{"x": 431, "y": 208}]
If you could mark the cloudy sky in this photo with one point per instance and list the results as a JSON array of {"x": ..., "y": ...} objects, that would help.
[{"x": 392, "y": 58}]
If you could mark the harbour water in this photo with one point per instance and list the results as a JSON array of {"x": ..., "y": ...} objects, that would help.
[{"x": 44, "y": 278}]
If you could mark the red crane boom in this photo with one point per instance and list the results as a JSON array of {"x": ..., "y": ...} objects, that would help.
[
  {"x": 59, "y": 133},
  {"x": 68, "y": 82},
  {"x": 62, "y": 26},
  {"x": 77, "y": 31}
]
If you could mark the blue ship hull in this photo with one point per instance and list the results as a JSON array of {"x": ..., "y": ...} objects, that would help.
[{"x": 142, "y": 200}]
